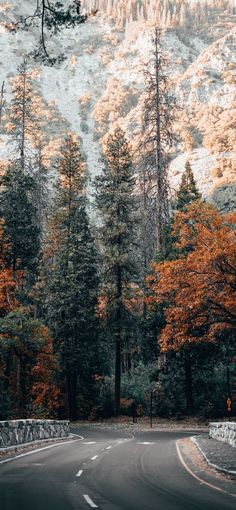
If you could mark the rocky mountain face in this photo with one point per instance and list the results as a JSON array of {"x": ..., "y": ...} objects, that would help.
[{"x": 100, "y": 82}]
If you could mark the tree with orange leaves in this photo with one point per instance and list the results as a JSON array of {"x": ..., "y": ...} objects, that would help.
[
  {"x": 198, "y": 290},
  {"x": 7, "y": 283},
  {"x": 21, "y": 340},
  {"x": 47, "y": 398}
]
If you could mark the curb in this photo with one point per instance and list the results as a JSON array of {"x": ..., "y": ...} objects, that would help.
[{"x": 215, "y": 466}]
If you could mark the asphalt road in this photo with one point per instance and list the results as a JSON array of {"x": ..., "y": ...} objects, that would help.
[{"x": 107, "y": 470}]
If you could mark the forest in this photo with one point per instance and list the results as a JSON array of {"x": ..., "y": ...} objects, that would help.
[
  {"x": 117, "y": 290},
  {"x": 164, "y": 13}
]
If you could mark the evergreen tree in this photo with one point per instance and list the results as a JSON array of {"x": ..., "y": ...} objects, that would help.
[
  {"x": 53, "y": 17},
  {"x": 24, "y": 184},
  {"x": 188, "y": 191},
  {"x": 117, "y": 205},
  {"x": 26, "y": 128},
  {"x": 20, "y": 221},
  {"x": 73, "y": 282},
  {"x": 24, "y": 121}
]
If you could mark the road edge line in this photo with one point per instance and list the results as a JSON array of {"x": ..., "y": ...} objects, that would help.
[
  {"x": 37, "y": 450},
  {"x": 200, "y": 480},
  {"x": 77, "y": 435}
]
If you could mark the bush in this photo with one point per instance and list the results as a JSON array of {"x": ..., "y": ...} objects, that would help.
[{"x": 137, "y": 385}]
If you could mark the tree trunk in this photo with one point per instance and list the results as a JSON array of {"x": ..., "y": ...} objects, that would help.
[
  {"x": 188, "y": 385},
  {"x": 24, "y": 394},
  {"x": 118, "y": 341},
  {"x": 22, "y": 142},
  {"x": 71, "y": 382},
  {"x": 159, "y": 196},
  {"x": 2, "y": 101},
  {"x": 8, "y": 368}
]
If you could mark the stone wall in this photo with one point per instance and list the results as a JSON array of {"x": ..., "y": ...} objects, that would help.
[
  {"x": 16, "y": 432},
  {"x": 224, "y": 431}
]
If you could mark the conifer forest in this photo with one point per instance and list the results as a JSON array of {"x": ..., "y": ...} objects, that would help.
[{"x": 117, "y": 209}]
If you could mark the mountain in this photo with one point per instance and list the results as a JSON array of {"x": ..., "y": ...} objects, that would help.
[{"x": 101, "y": 82}]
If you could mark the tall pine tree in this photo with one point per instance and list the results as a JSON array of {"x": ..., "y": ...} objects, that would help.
[
  {"x": 19, "y": 185},
  {"x": 156, "y": 140},
  {"x": 116, "y": 203},
  {"x": 73, "y": 284}
]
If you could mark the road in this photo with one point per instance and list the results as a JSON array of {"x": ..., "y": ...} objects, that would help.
[{"x": 108, "y": 470}]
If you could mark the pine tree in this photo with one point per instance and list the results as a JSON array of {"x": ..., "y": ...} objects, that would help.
[
  {"x": 21, "y": 205},
  {"x": 188, "y": 191},
  {"x": 117, "y": 205},
  {"x": 157, "y": 139},
  {"x": 23, "y": 119},
  {"x": 73, "y": 282},
  {"x": 20, "y": 221},
  {"x": 53, "y": 17}
]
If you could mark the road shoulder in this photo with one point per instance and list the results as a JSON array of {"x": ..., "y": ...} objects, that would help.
[{"x": 193, "y": 460}]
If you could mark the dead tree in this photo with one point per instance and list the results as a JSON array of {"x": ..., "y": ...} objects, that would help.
[
  {"x": 157, "y": 139},
  {"x": 2, "y": 101}
]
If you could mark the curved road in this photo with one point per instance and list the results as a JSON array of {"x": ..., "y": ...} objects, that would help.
[{"x": 108, "y": 470}]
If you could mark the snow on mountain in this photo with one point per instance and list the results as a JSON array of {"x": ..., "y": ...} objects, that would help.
[{"x": 100, "y": 82}]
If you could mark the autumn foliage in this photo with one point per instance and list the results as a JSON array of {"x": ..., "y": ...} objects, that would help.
[
  {"x": 46, "y": 395},
  {"x": 8, "y": 284},
  {"x": 198, "y": 289},
  {"x": 27, "y": 362}
]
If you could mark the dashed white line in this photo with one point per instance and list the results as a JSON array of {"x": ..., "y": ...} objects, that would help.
[
  {"x": 95, "y": 457},
  {"x": 89, "y": 501},
  {"x": 108, "y": 447},
  {"x": 80, "y": 472},
  {"x": 90, "y": 442}
]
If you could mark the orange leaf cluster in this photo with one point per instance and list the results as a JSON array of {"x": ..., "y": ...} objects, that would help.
[
  {"x": 44, "y": 392},
  {"x": 198, "y": 290},
  {"x": 7, "y": 283}
]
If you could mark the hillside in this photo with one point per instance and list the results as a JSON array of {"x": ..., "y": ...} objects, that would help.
[{"x": 100, "y": 81}]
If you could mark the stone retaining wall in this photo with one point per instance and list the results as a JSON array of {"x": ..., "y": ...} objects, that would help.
[
  {"x": 224, "y": 431},
  {"x": 16, "y": 432}
]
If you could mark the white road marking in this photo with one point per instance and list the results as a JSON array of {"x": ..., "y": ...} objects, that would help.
[
  {"x": 77, "y": 435},
  {"x": 36, "y": 451},
  {"x": 80, "y": 472},
  {"x": 146, "y": 442},
  {"x": 108, "y": 447},
  {"x": 95, "y": 457},
  {"x": 89, "y": 501},
  {"x": 90, "y": 442},
  {"x": 200, "y": 480}
]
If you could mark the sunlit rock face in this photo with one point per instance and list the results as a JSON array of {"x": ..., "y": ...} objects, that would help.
[{"x": 100, "y": 81}]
